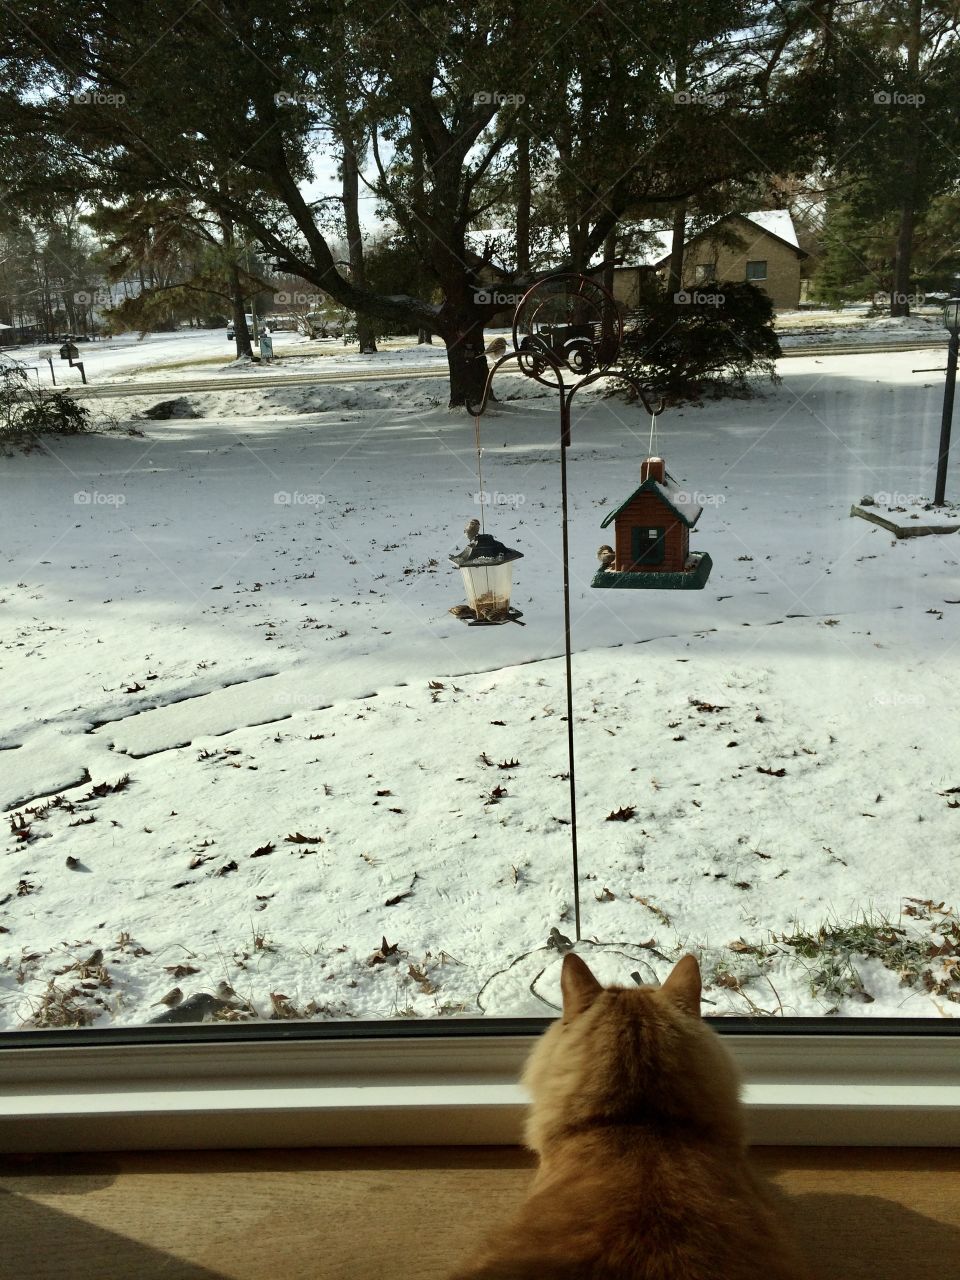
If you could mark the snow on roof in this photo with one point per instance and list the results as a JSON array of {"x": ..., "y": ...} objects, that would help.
[
  {"x": 680, "y": 501},
  {"x": 777, "y": 221}
]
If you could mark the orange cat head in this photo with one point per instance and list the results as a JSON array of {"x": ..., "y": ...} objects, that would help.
[{"x": 639, "y": 1055}]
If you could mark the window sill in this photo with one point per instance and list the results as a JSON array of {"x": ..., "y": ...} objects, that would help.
[{"x": 827, "y": 1089}]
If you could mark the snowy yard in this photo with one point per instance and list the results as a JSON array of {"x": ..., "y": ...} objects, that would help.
[
  {"x": 207, "y": 354},
  {"x": 243, "y": 741}
]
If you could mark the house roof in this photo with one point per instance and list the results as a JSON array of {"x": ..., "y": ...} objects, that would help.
[
  {"x": 678, "y": 500},
  {"x": 775, "y": 222}
]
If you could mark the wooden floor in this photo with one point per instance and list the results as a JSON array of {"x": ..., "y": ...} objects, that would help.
[{"x": 409, "y": 1213}]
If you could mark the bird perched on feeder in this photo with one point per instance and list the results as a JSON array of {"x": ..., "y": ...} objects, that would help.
[
  {"x": 606, "y": 556},
  {"x": 472, "y": 528}
]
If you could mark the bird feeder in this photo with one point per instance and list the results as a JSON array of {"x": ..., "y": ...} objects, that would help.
[
  {"x": 486, "y": 566},
  {"x": 651, "y": 540}
]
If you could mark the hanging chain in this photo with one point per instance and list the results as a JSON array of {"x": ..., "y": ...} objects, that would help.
[
  {"x": 476, "y": 427},
  {"x": 654, "y": 448}
]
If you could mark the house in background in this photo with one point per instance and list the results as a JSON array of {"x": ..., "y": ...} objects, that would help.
[{"x": 760, "y": 247}]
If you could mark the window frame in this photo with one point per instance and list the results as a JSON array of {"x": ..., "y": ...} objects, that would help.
[
  {"x": 808, "y": 1081},
  {"x": 756, "y": 262}
]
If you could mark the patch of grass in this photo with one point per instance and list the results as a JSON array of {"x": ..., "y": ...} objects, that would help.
[
  {"x": 929, "y": 959},
  {"x": 59, "y": 1007}
]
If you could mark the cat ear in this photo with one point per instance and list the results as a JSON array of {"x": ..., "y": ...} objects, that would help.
[
  {"x": 580, "y": 988},
  {"x": 683, "y": 986}
]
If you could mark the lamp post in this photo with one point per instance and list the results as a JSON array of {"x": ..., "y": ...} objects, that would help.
[{"x": 951, "y": 321}]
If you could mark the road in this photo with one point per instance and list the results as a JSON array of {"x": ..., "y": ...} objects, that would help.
[{"x": 180, "y": 386}]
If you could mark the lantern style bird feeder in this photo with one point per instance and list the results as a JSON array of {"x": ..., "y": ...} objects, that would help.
[
  {"x": 486, "y": 566},
  {"x": 651, "y": 542}
]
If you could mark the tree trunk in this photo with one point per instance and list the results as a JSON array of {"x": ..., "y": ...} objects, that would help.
[
  {"x": 678, "y": 240},
  {"x": 900, "y": 294},
  {"x": 679, "y": 227},
  {"x": 240, "y": 331},
  {"x": 467, "y": 364},
  {"x": 609, "y": 278},
  {"x": 350, "y": 183},
  {"x": 523, "y": 199},
  {"x": 424, "y": 336}
]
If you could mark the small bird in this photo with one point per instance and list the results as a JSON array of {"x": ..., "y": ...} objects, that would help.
[
  {"x": 472, "y": 528},
  {"x": 225, "y": 991},
  {"x": 171, "y": 999},
  {"x": 606, "y": 556},
  {"x": 498, "y": 347},
  {"x": 558, "y": 941}
]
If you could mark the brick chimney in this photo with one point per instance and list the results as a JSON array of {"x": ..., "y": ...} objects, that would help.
[{"x": 653, "y": 468}]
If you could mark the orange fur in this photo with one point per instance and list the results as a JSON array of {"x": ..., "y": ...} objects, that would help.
[{"x": 644, "y": 1173}]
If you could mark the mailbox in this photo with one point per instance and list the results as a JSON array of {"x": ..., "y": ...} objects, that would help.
[{"x": 68, "y": 351}]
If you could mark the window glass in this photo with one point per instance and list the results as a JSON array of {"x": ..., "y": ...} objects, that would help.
[{"x": 284, "y": 722}]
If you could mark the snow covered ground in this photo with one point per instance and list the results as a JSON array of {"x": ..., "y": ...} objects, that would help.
[
  {"x": 243, "y": 741},
  {"x": 206, "y": 353},
  {"x": 814, "y": 328}
]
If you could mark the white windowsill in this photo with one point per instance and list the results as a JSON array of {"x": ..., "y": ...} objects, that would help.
[{"x": 818, "y": 1090}]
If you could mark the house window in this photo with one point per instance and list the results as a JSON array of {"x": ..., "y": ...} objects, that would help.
[
  {"x": 704, "y": 272},
  {"x": 647, "y": 545},
  {"x": 757, "y": 270}
]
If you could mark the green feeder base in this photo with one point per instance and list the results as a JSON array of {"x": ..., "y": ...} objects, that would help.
[{"x": 693, "y": 578}]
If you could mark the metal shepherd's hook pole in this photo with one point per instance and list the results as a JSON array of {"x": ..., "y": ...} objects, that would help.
[{"x": 534, "y": 362}]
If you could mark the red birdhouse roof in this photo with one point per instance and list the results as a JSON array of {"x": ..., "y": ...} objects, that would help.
[{"x": 679, "y": 501}]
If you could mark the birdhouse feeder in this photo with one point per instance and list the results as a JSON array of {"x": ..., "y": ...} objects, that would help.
[
  {"x": 487, "y": 569},
  {"x": 651, "y": 540}
]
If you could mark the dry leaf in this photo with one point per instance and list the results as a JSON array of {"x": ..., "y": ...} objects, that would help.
[{"x": 621, "y": 815}]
